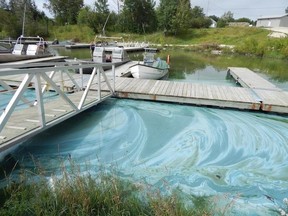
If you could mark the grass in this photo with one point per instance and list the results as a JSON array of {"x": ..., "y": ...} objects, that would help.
[
  {"x": 246, "y": 40},
  {"x": 228, "y": 36},
  {"x": 106, "y": 194},
  {"x": 76, "y": 33}
]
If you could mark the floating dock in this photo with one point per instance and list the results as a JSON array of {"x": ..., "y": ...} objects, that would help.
[
  {"x": 272, "y": 98},
  {"x": 186, "y": 93},
  {"x": 256, "y": 93},
  {"x": 249, "y": 79}
]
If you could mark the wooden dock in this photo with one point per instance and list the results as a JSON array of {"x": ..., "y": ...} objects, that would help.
[
  {"x": 257, "y": 93},
  {"x": 187, "y": 93}
]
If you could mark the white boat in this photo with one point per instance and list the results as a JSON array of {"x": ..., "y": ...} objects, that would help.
[
  {"x": 118, "y": 56},
  {"x": 150, "y": 68},
  {"x": 27, "y": 48}
]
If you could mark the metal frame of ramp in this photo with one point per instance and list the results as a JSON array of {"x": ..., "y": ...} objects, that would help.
[{"x": 74, "y": 94}]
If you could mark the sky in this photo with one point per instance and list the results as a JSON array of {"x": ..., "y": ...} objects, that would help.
[{"x": 251, "y": 9}]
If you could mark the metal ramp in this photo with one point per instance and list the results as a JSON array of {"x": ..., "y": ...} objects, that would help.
[{"x": 46, "y": 94}]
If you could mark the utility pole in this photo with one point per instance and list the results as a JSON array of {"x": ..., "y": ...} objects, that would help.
[
  {"x": 103, "y": 30},
  {"x": 208, "y": 4},
  {"x": 24, "y": 16}
]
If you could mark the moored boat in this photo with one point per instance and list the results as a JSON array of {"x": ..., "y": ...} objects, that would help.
[
  {"x": 27, "y": 48},
  {"x": 117, "y": 56},
  {"x": 150, "y": 68}
]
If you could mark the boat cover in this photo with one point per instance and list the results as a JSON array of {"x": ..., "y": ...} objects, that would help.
[{"x": 161, "y": 64}]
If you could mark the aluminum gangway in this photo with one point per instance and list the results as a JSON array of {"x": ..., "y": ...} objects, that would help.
[{"x": 35, "y": 97}]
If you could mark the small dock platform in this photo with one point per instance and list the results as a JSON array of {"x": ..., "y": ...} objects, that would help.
[
  {"x": 249, "y": 79},
  {"x": 77, "y": 46},
  {"x": 272, "y": 98}
]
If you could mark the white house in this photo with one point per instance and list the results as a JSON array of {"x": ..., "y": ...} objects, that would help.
[{"x": 273, "y": 21}]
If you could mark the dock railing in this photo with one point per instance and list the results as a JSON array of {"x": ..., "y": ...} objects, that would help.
[{"x": 35, "y": 97}]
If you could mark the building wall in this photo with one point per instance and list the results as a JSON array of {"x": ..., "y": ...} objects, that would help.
[
  {"x": 269, "y": 22},
  {"x": 284, "y": 22}
]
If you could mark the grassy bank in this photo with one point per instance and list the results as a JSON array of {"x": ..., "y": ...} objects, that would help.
[
  {"x": 76, "y": 194},
  {"x": 245, "y": 40}
]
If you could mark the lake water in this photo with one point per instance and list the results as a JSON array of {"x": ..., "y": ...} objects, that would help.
[{"x": 238, "y": 157}]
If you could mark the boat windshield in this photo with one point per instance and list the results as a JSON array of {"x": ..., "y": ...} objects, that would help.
[{"x": 149, "y": 55}]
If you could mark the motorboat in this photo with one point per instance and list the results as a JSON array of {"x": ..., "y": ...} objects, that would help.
[
  {"x": 150, "y": 68},
  {"x": 101, "y": 55},
  {"x": 27, "y": 48}
]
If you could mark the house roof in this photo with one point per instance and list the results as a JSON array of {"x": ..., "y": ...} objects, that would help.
[{"x": 272, "y": 17}]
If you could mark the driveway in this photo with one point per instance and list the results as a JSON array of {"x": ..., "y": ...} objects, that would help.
[{"x": 278, "y": 32}]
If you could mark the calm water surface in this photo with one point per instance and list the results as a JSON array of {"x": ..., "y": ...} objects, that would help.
[{"x": 240, "y": 157}]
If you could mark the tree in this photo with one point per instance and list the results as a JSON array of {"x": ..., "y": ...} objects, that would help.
[
  {"x": 138, "y": 16},
  {"x": 65, "y": 11},
  {"x": 102, "y": 15},
  {"x": 247, "y": 20},
  {"x": 3, "y": 4},
  {"x": 102, "y": 6},
  {"x": 35, "y": 21},
  {"x": 225, "y": 19},
  {"x": 166, "y": 12},
  {"x": 198, "y": 18},
  {"x": 286, "y": 10},
  {"x": 228, "y": 16},
  {"x": 182, "y": 19}
]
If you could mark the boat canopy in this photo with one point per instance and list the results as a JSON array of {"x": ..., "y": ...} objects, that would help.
[{"x": 161, "y": 64}]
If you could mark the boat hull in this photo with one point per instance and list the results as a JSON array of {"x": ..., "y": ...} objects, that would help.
[
  {"x": 8, "y": 57},
  {"x": 141, "y": 71}
]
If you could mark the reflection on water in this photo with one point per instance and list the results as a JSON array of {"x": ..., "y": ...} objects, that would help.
[{"x": 201, "y": 151}]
